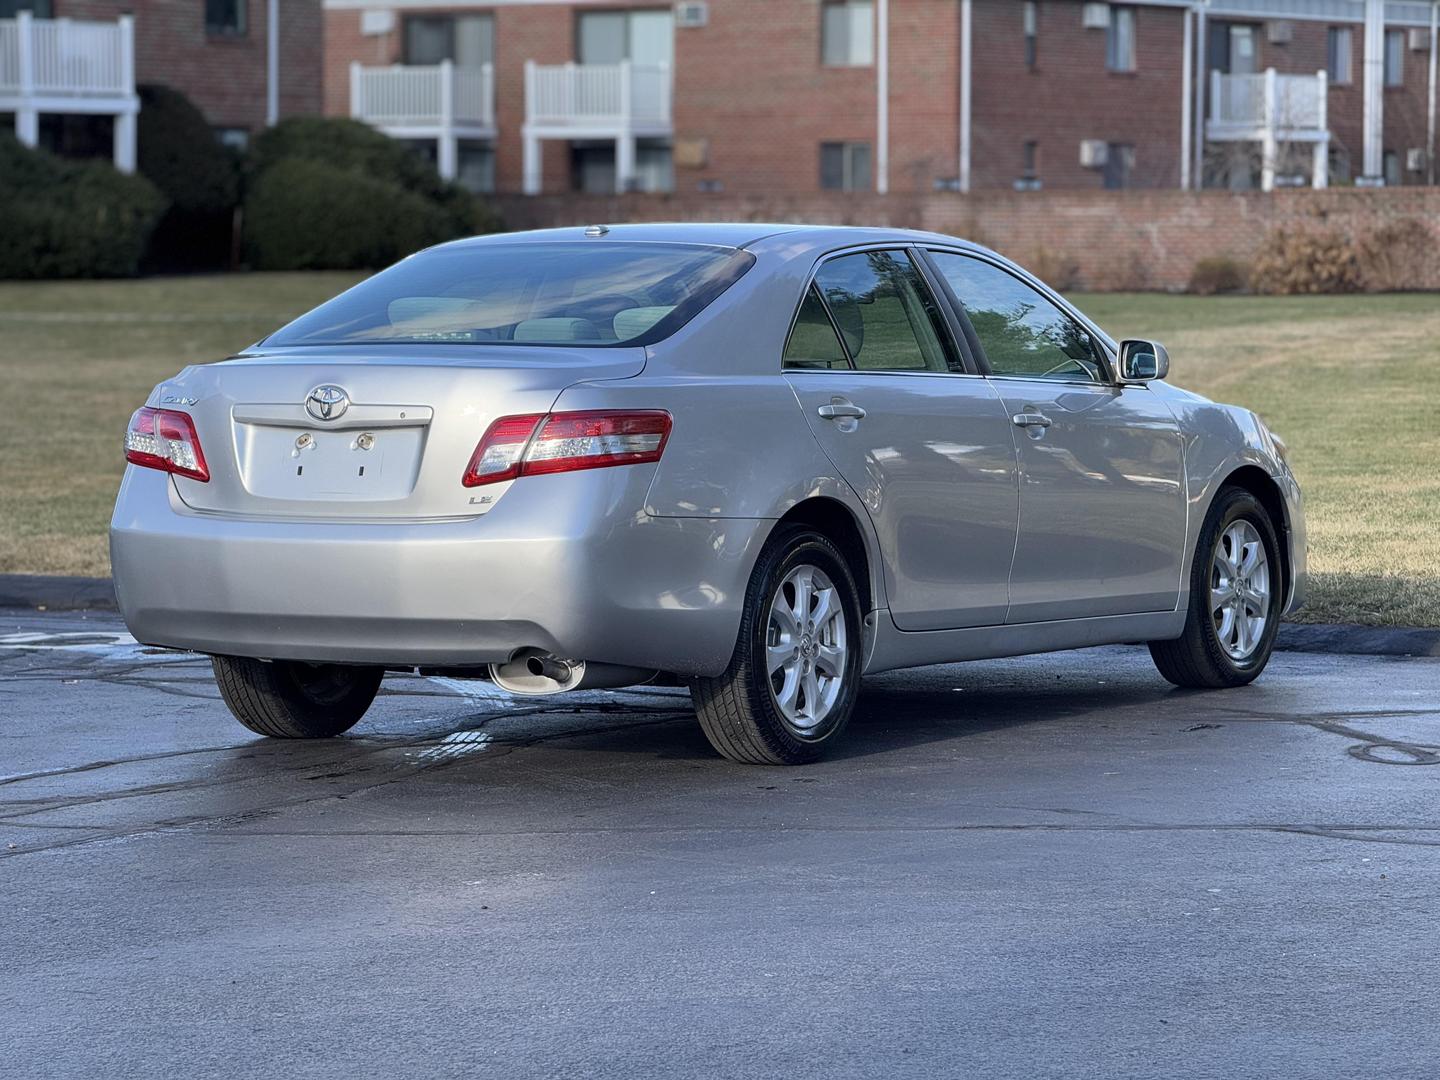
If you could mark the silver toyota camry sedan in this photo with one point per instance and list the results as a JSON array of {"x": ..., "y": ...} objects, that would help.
[{"x": 759, "y": 460}]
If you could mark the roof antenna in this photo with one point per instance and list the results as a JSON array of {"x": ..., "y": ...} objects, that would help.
[{"x": 597, "y": 230}]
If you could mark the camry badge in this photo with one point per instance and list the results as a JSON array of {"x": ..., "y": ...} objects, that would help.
[{"x": 327, "y": 402}]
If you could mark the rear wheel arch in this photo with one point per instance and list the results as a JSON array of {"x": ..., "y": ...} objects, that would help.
[
  {"x": 839, "y": 524},
  {"x": 1258, "y": 483}
]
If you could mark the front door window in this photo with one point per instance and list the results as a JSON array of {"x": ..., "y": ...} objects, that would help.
[{"x": 1021, "y": 332}]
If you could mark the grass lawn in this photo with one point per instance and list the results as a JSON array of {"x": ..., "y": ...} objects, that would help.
[{"x": 1350, "y": 382}]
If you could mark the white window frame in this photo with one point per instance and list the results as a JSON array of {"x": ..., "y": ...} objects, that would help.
[
  {"x": 1340, "y": 68},
  {"x": 1394, "y": 50},
  {"x": 1120, "y": 39},
  {"x": 848, "y": 148},
  {"x": 857, "y": 18}
]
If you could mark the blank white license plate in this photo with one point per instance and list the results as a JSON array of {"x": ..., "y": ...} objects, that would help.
[{"x": 292, "y": 463}]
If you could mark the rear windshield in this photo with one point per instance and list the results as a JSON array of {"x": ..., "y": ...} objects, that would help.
[{"x": 590, "y": 294}]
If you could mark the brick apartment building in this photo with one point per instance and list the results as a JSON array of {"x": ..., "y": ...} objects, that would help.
[
  {"x": 746, "y": 96},
  {"x": 69, "y": 68}
]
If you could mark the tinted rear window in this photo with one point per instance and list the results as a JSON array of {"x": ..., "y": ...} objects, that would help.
[{"x": 585, "y": 294}]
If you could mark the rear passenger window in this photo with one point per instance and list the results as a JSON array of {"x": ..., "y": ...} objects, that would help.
[
  {"x": 813, "y": 343},
  {"x": 888, "y": 320}
]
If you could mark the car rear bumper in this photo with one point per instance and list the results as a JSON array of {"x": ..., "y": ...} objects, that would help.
[{"x": 569, "y": 564}]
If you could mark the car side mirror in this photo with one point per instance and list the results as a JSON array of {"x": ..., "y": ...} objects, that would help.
[{"x": 1143, "y": 361}]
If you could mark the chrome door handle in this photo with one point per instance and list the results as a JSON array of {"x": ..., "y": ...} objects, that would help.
[
  {"x": 841, "y": 412},
  {"x": 1031, "y": 419}
]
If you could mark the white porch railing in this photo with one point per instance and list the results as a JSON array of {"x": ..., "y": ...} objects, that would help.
[
  {"x": 70, "y": 66},
  {"x": 66, "y": 58},
  {"x": 424, "y": 99},
  {"x": 1273, "y": 109},
  {"x": 1285, "y": 104},
  {"x": 599, "y": 98}
]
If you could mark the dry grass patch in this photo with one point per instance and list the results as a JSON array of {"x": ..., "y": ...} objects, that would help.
[{"x": 1351, "y": 384}]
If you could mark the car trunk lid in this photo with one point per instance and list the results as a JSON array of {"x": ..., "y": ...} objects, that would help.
[{"x": 365, "y": 434}]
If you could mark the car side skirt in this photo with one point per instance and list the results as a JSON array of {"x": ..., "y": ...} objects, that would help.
[{"x": 890, "y": 648}]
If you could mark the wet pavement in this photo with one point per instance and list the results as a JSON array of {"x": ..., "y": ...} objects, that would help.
[{"x": 1055, "y": 866}]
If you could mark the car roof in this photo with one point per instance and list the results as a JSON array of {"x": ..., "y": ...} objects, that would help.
[{"x": 721, "y": 234}]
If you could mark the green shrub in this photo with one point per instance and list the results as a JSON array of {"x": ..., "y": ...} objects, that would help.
[
  {"x": 68, "y": 219},
  {"x": 1292, "y": 261},
  {"x": 346, "y": 144},
  {"x": 308, "y": 215},
  {"x": 179, "y": 154},
  {"x": 1218, "y": 274},
  {"x": 390, "y": 199}
]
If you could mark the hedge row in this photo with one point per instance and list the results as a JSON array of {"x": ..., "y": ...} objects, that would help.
[
  {"x": 68, "y": 219},
  {"x": 312, "y": 193}
]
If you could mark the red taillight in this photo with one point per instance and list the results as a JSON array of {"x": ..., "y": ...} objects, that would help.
[
  {"x": 563, "y": 442},
  {"x": 166, "y": 440}
]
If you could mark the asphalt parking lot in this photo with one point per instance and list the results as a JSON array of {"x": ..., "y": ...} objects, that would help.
[{"x": 1056, "y": 866}]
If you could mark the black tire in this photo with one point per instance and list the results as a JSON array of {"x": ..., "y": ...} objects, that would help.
[
  {"x": 288, "y": 699},
  {"x": 1197, "y": 658},
  {"x": 738, "y": 710}
]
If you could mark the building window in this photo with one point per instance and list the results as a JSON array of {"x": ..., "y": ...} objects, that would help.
[
  {"x": 1394, "y": 57},
  {"x": 1339, "y": 164},
  {"x": 1338, "y": 52},
  {"x": 1120, "y": 39},
  {"x": 1392, "y": 169},
  {"x": 467, "y": 40},
  {"x": 225, "y": 17},
  {"x": 476, "y": 162},
  {"x": 1030, "y": 167},
  {"x": 847, "y": 33},
  {"x": 592, "y": 167},
  {"x": 646, "y": 38},
  {"x": 845, "y": 166},
  {"x": 1032, "y": 33},
  {"x": 1119, "y": 164},
  {"x": 41, "y": 9}
]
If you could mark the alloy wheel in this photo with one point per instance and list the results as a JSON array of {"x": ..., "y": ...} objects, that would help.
[
  {"x": 806, "y": 648},
  {"x": 1240, "y": 590}
]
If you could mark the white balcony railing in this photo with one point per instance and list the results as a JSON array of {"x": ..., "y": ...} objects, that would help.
[
  {"x": 66, "y": 58},
  {"x": 599, "y": 98},
  {"x": 436, "y": 99},
  {"x": 1244, "y": 106}
]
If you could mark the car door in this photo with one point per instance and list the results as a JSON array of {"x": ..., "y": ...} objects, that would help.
[
  {"x": 1102, "y": 498},
  {"x": 923, "y": 440}
]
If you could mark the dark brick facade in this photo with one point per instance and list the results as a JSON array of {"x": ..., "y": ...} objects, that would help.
[
  {"x": 752, "y": 94},
  {"x": 224, "y": 75}
]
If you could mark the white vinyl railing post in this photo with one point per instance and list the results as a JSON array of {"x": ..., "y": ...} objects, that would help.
[
  {"x": 127, "y": 53},
  {"x": 357, "y": 80},
  {"x": 627, "y": 91},
  {"x": 447, "y": 156},
  {"x": 487, "y": 94},
  {"x": 1320, "y": 176},
  {"x": 1269, "y": 147},
  {"x": 1215, "y": 110},
  {"x": 27, "y": 120}
]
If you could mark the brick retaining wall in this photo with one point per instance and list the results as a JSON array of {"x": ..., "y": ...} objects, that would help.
[{"x": 1097, "y": 240}]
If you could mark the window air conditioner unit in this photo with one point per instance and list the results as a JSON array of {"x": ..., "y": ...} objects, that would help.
[
  {"x": 692, "y": 13},
  {"x": 1093, "y": 153},
  {"x": 1415, "y": 159},
  {"x": 376, "y": 21},
  {"x": 1419, "y": 40},
  {"x": 1095, "y": 17},
  {"x": 1280, "y": 32}
]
